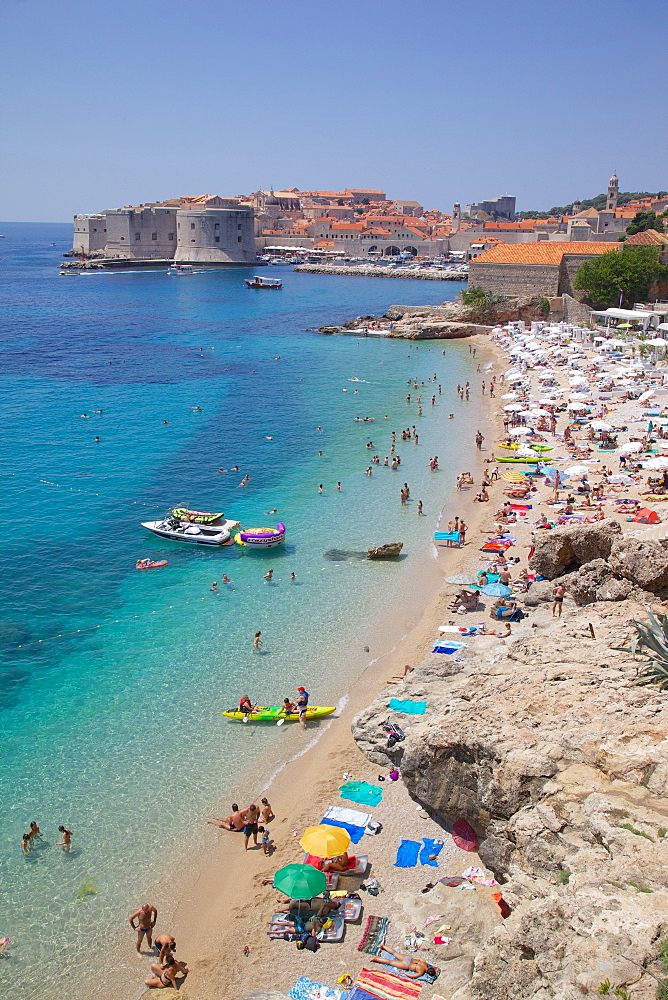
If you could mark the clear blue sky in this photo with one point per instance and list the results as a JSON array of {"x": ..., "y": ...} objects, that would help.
[{"x": 113, "y": 102}]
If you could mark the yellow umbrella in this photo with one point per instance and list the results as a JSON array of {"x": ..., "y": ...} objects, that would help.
[
  {"x": 325, "y": 841},
  {"x": 513, "y": 477}
]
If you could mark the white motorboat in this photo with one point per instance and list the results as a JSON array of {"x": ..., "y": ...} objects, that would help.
[{"x": 181, "y": 530}]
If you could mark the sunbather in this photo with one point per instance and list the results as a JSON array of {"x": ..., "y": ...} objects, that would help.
[
  {"x": 413, "y": 967},
  {"x": 337, "y": 864}
]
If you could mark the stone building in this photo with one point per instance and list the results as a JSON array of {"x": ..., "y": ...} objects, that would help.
[
  {"x": 496, "y": 208},
  {"x": 202, "y": 229},
  {"x": 545, "y": 268}
]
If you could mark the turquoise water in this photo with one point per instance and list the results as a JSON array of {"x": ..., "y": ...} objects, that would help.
[{"x": 115, "y": 731}]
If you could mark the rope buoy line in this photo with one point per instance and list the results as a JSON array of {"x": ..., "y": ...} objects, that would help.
[
  {"x": 117, "y": 621},
  {"x": 75, "y": 489}
]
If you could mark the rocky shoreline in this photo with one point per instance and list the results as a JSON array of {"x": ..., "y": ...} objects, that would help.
[{"x": 364, "y": 271}]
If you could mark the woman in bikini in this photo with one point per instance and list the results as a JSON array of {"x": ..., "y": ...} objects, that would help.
[
  {"x": 164, "y": 976},
  {"x": 413, "y": 967}
]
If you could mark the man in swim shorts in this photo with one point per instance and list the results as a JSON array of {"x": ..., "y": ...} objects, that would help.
[
  {"x": 250, "y": 817},
  {"x": 146, "y": 917},
  {"x": 302, "y": 705}
]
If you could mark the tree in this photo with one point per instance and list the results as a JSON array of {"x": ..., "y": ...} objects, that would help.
[
  {"x": 630, "y": 270},
  {"x": 481, "y": 304},
  {"x": 642, "y": 221}
]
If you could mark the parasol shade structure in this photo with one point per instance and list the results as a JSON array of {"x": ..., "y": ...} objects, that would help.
[
  {"x": 496, "y": 590},
  {"x": 630, "y": 448},
  {"x": 300, "y": 881},
  {"x": 325, "y": 841},
  {"x": 514, "y": 477},
  {"x": 660, "y": 462},
  {"x": 461, "y": 580}
]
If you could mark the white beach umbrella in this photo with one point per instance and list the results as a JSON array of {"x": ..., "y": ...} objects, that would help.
[
  {"x": 620, "y": 478},
  {"x": 580, "y": 395},
  {"x": 576, "y": 406},
  {"x": 519, "y": 431},
  {"x": 600, "y": 425},
  {"x": 630, "y": 448},
  {"x": 656, "y": 463},
  {"x": 514, "y": 407},
  {"x": 657, "y": 342},
  {"x": 509, "y": 395},
  {"x": 538, "y": 413},
  {"x": 578, "y": 470},
  {"x": 646, "y": 395},
  {"x": 515, "y": 378}
]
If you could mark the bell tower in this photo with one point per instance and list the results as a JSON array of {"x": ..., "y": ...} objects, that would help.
[
  {"x": 613, "y": 194},
  {"x": 456, "y": 217}
]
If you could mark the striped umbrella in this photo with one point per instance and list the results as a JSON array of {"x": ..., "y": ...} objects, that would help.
[{"x": 513, "y": 477}]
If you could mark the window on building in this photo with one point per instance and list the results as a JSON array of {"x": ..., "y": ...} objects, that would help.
[
  {"x": 238, "y": 239},
  {"x": 154, "y": 236},
  {"x": 202, "y": 224},
  {"x": 137, "y": 236},
  {"x": 170, "y": 236},
  {"x": 217, "y": 239},
  {"x": 217, "y": 225},
  {"x": 239, "y": 226},
  {"x": 192, "y": 241},
  {"x": 192, "y": 225}
]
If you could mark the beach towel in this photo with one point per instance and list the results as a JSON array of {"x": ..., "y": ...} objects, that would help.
[
  {"x": 316, "y": 862},
  {"x": 373, "y": 935},
  {"x": 307, "y": 989},
  {"x": 448, "y": 647},
  {"x": 388, "y": 985},
  {"x": 446, "y": 536},
  {"x": 407, "y": 854},
  {"x": 344, "y": 815},
  {"x": 356, "y": 832},
  {"x": 410, "y": 707},
  {"x": 361, "y": 791},
  {"x": 430, "y": 847},
  {"x": 357, "y": 993}
]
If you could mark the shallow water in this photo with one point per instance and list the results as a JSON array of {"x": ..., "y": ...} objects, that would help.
[{"x": 113, "y": 680}]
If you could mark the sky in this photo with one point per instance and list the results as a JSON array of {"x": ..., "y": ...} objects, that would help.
[{"x": 118, "y": 102}]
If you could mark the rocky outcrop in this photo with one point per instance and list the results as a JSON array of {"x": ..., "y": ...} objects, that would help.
[
  {"x": 643, "y": 562},
  {"x": 546, "y": 746},
  {"x": 390, "y": 550},
  {"x": 568, "y": 548}
]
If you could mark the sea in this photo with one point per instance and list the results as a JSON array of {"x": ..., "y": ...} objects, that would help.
[{"x": 124, "y": 394}]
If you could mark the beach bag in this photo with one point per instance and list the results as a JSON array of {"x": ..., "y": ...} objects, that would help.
[{"x": 308, "y": 942}]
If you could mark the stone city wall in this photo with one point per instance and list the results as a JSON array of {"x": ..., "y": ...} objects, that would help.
[
  {"x": 215, "y": 235},
  {"x": 515, "y": 279}
]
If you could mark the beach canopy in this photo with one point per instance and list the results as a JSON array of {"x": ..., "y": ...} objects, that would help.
[
  {"x": 647, "y": 516},
  {"x": 519, "y": 431},
  {"x": 325, "y": 841},
  {"x": 578, "y": 470},
  {"x": 630, "y": 447},
  {"x": 461, "y": 580},
  {"x": 300, "y": 881},
  {"x": 514, "y": 406},
  {"x": 619, "y": 479},
  {"x": 496, "y": 590},
  {"x": 514, "y": 477},
  {"x": 646, "y": 395},
  {"x": 661, "y": 462}
]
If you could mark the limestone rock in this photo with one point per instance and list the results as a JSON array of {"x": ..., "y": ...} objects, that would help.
[
  {"x": 643, "y": 562},
  {"x": 390, "y": 550},
  {"x": 568, "y": 548},
  {"x": 595, "y": 582}
]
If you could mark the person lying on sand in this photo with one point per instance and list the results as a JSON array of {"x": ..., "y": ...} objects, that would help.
[
  {"x": 337, "y": 864},
  {"x": 414, "y": 967},
  {"x": 234, "y": 822},
  {"x": 164, "y": 976}
]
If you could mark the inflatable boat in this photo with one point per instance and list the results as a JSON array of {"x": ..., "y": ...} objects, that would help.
[{"x": 261, "y": 538}]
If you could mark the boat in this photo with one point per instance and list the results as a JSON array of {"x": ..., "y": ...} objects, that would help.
[
  {"x": 184, "y": 531},
  {"x": 274, "y": 713},
  {"x": 261, "y": 538},
  {"x": 259, "y": 282},
  {"x": 150, "y": 563},
  {"x": 196, "y": 516},
  {"x": 515, "y": 445},
  {"x": 180, "y": 269}
]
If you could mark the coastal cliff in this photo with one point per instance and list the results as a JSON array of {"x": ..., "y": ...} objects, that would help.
[{"x": 546, "y": 746}]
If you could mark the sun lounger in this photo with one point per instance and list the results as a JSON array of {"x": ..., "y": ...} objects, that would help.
[
  {"x": 357, "y": 866},
  {"x": 336, "y": 932},
  {"x": 351, "y": 910}
]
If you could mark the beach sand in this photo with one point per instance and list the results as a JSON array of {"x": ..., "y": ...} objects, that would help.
[{"x": 224, "y": 908}]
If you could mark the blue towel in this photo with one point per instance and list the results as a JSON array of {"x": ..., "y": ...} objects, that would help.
[
  {"x": 407, "y": 854},
  {"x": 449, "y": 648},
  {"x": 408, "y": 707},
  {"x": 400, "y": 972},
  {"x": 430, "y": 847},
  {"x": 446, "y": 536},
  {"x": 356, "y": 832}
]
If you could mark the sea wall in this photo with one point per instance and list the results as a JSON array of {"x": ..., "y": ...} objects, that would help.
[
  {"x": 366, "y": 271},
  {"x": 549, "y": 749}
]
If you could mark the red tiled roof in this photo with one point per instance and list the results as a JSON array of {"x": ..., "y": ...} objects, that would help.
[
  {"x": 543, "y": 252},
  {"x": 650, "y": 238}
]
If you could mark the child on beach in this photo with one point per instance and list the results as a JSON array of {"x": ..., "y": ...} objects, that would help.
[{"x": 265, "y": 839}]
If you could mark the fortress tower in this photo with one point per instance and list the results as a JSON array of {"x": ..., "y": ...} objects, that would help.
[{"x": 613, "y": 194}]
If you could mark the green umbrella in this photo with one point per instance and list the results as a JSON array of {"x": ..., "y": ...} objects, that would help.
[{"x": 300, "y": 881}]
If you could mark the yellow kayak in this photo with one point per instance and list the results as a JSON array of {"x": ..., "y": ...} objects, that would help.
[{"x": 273, "y": 713}]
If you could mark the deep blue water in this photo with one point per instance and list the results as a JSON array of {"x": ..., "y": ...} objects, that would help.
[{"x": 100, "y": 722}]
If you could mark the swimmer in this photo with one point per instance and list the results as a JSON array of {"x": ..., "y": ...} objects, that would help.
[
  {"x": 222, "y": 470},
  {"x": 226, "y": 579},
  {"x": 338, "y": 486},
  {"x": 274, "y": 511},
  {"x": 97, "y": 440},
  {"x": 66, "y": 842},
  {"x": 268, "y": 575},
  {"x": 214, "y": 586},
  {"x": 321, "y": 488},
  {"x": 293, "y": 576},
  {"x": 257, "y": 641},
  {"x": 267, "y": 438}
]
